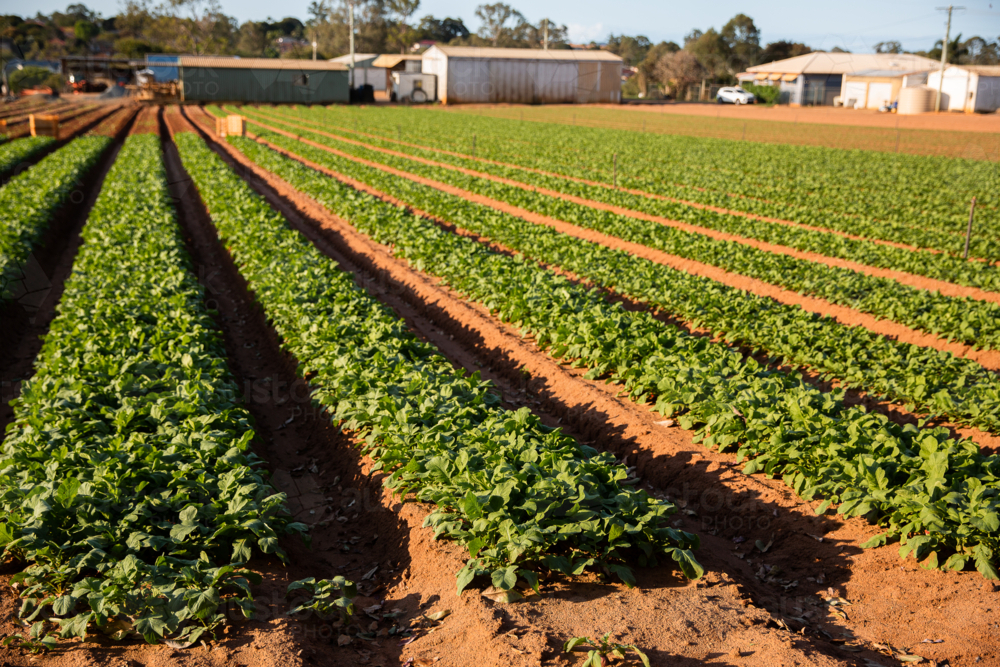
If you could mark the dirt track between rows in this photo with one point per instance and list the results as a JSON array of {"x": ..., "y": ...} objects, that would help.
[
  {"x": 666, "y": 458},
  {"x": 847, "y": 316}
]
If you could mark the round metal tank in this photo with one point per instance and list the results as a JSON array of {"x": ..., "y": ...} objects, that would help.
[{"x": 918, "y": 99}]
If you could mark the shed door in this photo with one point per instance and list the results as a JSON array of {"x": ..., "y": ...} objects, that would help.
[
  {"x": 879, "y": 94},
  {"x": 988, "y": 94},
  {"x": 854, "y": 93}
]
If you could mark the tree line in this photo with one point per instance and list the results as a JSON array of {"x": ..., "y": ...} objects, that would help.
[
  {"x": 388, "y": 26},
  {"x": 201, "y": 27}
]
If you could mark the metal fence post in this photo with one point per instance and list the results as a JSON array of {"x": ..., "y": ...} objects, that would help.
[{"x": 968, "y": 231}]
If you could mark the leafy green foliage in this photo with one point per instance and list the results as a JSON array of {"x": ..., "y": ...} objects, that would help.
[
  {"x": 602, "y": 649},
  {"x": 127, "y": 485},
  {"x": 968, "y": 320},
  {"x": 29, "y": 200},
  {"x": 14, "y": 152},
  {"x": 895, "y": 197},
  {"x": 516, "y": 493},
  {"x": 326, "y": 597},
  {"x": 931, "y": 492},
  {"x": 931, "y": 381}
]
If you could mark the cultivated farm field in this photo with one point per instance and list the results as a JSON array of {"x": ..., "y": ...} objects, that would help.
[{"x": 404, "y": 386}]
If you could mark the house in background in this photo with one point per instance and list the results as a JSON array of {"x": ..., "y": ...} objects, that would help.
[{"x": 820, "y": 78}]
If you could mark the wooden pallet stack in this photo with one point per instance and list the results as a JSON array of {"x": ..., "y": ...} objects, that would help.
[
  {"x": 231, "y": 126},
  {"x": 44, "y": 125}
]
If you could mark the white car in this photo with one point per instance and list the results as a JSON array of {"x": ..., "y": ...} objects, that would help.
[{"x": 735, "y": 95}]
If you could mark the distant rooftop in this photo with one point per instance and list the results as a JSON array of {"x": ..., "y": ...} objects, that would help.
[
  {"x": 525, "y": 54},
  {"x": 822, "y": 62}
]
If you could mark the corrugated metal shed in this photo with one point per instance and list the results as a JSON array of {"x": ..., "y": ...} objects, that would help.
[
  {"x": 263, "y": 80},
  {"x": 524, "y": 76}
]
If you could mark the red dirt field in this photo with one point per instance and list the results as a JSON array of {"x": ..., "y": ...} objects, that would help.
[
  {"x": 972, "y": 136},
  {"x": 809, "y": 596}
]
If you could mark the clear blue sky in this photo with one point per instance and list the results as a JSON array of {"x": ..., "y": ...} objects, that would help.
[{"x": 852, "y": 24}]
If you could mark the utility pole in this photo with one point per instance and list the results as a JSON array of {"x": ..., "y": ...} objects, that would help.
[
  {"x": 545, "y": 32},
  {"x": 944, "y": 54},
  {"x": 350, "y": 24},
  {"x": 314, "y": 49}
]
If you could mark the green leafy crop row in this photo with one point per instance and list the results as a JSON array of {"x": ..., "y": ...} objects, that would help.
[
  {"x": 29, "y": 200},
  {"x": 127, "y": 484},
  {"x": 14, "y": 152},
  {"x": 516, "y": 493},
  {"x": 969, "y": 320},
  {"x": 935, "y": 494},
  {"x": 932, "y": 381},
  {"x": 890, "y": 197}
]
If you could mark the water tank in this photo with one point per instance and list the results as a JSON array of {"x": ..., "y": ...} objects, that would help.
[{"x": 918, "y": 99}]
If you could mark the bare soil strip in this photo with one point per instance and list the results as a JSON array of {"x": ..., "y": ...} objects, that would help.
[
  {"x": 847, "y": 316},
  {"x": 472, "y": 339},
  {"x": 809, "y": 556},
  {"x": 303, "y": 123}
]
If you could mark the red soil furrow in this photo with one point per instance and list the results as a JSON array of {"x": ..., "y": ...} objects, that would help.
[
  {"x": 847, "y": 316},
  {"x": 730, "y": 510},
  {"x": 920, "y": 282},
  {"x": 633, "y": 191}
]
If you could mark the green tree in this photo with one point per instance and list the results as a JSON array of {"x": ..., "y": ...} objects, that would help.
[
  {"x": 85, "y": 30},
  {"x": 782, "y": 50},
  {"x": 742, "y": 40},
  {"x": 496, "y": 20}
]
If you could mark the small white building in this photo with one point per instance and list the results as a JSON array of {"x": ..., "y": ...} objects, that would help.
[
  {"x": 820, "y": 78},
  {"x": 468, "y": 74},
  {"x": 364, "y": 71},
  {"x": 968, "y": 88}
]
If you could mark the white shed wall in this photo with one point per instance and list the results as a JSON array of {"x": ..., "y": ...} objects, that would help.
[
  {"x": 463, "y": 80},
  {"x": 958, "y": 83},
  {"x": 436, "y": 63}
]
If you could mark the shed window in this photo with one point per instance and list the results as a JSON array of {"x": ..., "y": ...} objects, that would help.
[{"x": 301, "y": 80}]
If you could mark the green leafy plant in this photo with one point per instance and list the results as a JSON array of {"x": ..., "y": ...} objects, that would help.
[
  {"x": 30, "y": 199},
  {"x": 518, "y": 495},
  {"x": 599, "y": 652},
  {"x": 127, "y": 484},
  {"x": 326, "y": 597}
]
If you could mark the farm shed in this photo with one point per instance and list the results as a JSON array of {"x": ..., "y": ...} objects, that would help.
[
  {"x": 525, "y": 76},
  {"x": 261, "y": 80},
  {"x": 365, "y": 69},
  {"x": 820, "y": 77},
  {"x": 968, "y": 88}
]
